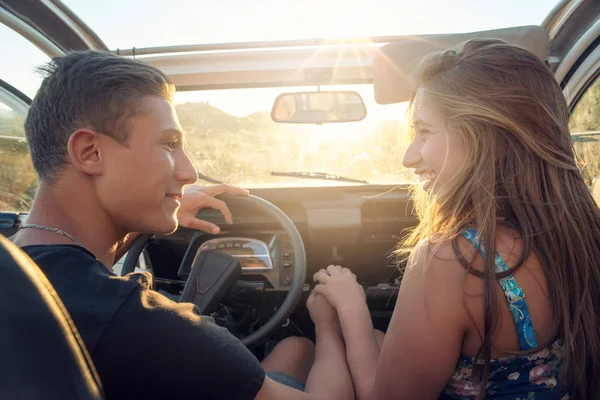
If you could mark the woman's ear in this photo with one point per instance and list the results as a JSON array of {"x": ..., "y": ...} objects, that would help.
[{"x": 84, "y": 151}]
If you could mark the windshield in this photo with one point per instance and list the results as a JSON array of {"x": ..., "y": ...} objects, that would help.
[{"x": 231, "y": 137}]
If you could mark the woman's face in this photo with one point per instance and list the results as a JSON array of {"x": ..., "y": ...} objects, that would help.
[{"x": 435, "y": 154}]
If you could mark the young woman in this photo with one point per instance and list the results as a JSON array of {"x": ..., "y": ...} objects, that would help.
[{"x": 501, "y": 295}]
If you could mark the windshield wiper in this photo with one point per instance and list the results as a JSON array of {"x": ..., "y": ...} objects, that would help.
[{"x": 318, "y": 175}]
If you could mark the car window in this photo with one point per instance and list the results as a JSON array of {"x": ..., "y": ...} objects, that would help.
[
  {"x": 19, "y": 70},
  {"x": 17, "y": 176},
  {"x": 585, "y": 130},
  {"x": 18, "y": 179}
]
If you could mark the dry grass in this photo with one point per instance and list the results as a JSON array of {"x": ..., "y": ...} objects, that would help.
[
  {"x": 586, "y": 119},
  {"x": 247, "y": 156},
  {"x": 18, "y": 179},
  {"x": 589, "y": 159}
]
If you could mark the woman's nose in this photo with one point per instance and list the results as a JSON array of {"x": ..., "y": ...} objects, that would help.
[{"x": 412, "y": 157}]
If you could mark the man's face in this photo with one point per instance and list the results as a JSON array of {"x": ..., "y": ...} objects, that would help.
[{"x": 142, "y": 183}]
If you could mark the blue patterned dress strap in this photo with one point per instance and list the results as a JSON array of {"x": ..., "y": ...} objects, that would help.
[{"x": 514, "y": 294}]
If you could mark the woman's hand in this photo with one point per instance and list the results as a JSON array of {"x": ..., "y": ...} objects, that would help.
[{"x": 339, "y": 286}]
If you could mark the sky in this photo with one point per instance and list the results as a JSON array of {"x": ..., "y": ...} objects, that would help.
[{"x": 143, "y": 23}]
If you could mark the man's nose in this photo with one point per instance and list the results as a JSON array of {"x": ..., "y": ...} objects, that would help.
[
  {"x": 184, "y": 169},
  {"x": 412, "y": 157}
]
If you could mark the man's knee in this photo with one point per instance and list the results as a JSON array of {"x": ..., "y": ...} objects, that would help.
[
  {"x": 298, "y": 347},
  {"x": 292, "y": 356}
]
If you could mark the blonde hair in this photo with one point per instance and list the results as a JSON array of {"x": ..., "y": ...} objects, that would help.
[{"x": 520, "y": 166}]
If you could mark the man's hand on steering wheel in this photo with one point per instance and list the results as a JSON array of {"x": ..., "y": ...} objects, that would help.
[
  {"x": 203, "y": 197},
  {"x": 196, "y": 197}
]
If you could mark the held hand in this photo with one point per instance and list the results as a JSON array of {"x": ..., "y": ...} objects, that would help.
[
  {"x": 339, "y": 286},
  {"x": 321, "y": 312},
  {"x": 196, "y": 197}
]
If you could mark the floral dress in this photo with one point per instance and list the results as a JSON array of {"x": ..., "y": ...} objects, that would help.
[{"x": 531, "y": 377}]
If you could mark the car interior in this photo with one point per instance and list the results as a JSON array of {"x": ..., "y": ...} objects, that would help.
[{"x": 328, "y": 115}]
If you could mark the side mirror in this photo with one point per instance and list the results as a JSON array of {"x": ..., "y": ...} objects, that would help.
[{"x": 318, "y": 107}]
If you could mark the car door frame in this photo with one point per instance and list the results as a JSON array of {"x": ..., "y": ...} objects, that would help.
[
  {"x": 583, "y": 74},
  {"x": 14, "y": 98},
  {"x": 574, "y": 31}
]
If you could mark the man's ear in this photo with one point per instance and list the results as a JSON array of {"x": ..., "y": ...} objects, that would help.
[{"x": 84, "y": 151}]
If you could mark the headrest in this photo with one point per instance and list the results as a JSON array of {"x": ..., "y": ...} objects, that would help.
[
  {"x": 393, "y": 66},
  {"x": 42, "y": 353}
]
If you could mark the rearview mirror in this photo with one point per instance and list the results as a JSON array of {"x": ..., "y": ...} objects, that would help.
[{"x": 318, "y": 107}]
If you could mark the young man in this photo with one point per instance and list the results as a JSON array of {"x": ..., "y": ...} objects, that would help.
[{"x": 108, "y": 148}]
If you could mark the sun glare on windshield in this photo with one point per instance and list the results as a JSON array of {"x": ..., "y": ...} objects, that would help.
[{"x": 232, "y": 138}]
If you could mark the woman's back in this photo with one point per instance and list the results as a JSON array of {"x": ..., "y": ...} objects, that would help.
[
  {"x": 522, "y": 304},
  {"x": 530, "y": 277}
]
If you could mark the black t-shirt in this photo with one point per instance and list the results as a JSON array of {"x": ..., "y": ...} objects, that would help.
[{"x": 143, "y": 344}]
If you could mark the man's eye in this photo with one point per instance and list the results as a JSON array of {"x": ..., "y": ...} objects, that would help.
[{"x": 172, "y": 144}]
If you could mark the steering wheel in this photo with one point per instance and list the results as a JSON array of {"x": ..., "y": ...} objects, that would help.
[{"x": 299, "y": 257}]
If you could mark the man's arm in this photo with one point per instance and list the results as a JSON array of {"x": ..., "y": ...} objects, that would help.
[
  {"x": 362, "y": 347},
  {"x": 329, "y": 378},
  {"x": 340, "y": 288}
]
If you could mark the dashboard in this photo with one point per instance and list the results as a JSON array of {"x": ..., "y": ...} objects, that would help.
[
  {"x": 357, "y": 227},
  {"x": 268, "y": 255}
]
